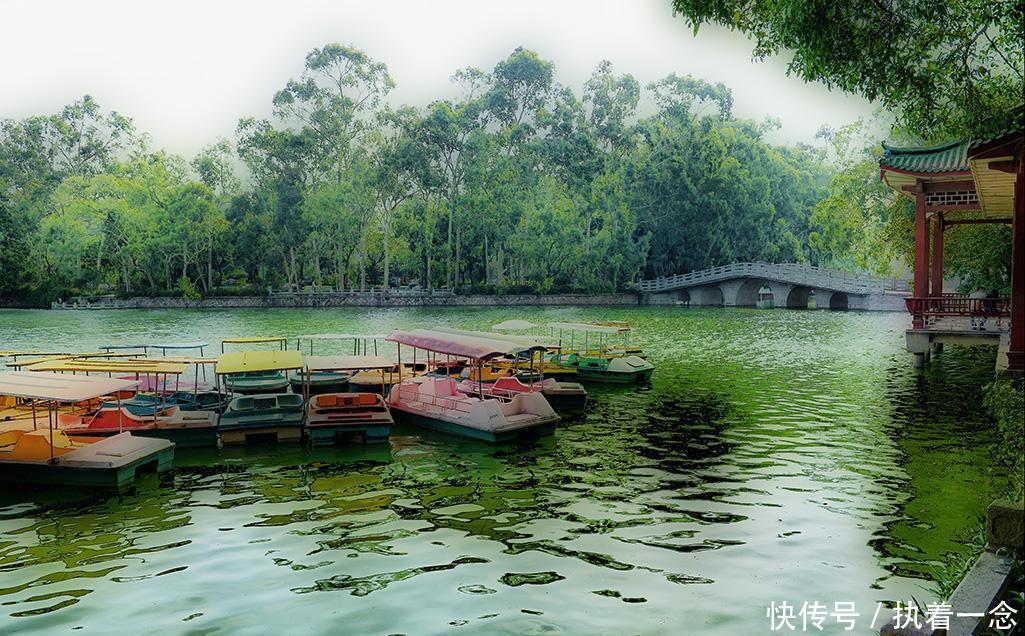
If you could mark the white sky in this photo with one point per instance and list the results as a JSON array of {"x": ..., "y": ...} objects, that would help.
[{"x": 187, "y": 70}]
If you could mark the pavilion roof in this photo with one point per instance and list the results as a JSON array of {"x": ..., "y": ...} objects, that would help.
[{"x": 942, "y": 158}]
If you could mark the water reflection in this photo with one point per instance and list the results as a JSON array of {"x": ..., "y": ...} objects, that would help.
[{"x": 777, "y": 455}]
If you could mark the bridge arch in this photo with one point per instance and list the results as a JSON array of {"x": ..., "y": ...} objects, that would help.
[
  {"x": 799, "y": 297},
  {"x": 839, "y": 301},
  {"x": 747, "y": 293},
  {"x": 707, "y": 295}
]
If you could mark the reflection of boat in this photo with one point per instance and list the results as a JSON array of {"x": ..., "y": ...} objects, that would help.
[
  {"x": 436, "y": 402},
  {"x": 265, "y": 417},
  {"x": 334, "y": 416},
  {"x": 185, "y": 429},
  {"x": 53, "y": 457}
]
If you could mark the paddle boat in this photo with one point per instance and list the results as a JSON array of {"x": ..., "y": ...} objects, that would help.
[
  {"x": 275, "y": 417},
  {"x": 600, "y": 362},
  {"x": 252, "y": 382},
  {"x": 327, "y": 381},
  {"x": 331, "y": 417},
  {"x": 525, "y": 374},
  {"x": 554, "y": 345},
  {"x": 187, "y": 429},
  {"x": 147, "y": 414},
  {"x": 601, "y": 339},
  {"x": 436, "y": 402},
  {"x": 51, "y": 456}
]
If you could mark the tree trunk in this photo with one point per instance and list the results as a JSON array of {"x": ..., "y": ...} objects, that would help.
[
  {"x": 387, "y": 252},
  {"x": 209, "y": 261},
  {"x": 363, "y": 260},
  {"x": 448, "y": 252}
]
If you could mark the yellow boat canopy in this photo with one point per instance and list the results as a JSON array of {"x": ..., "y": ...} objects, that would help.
[
  {"x": 59, "y": 388},
  {"x": 347, "y": 363},
  {"x": 183, "y": 360},
  {"x": 588, "y": 327},
  {"x": 249, "y": 361},
  {"x": 148, "y": 366},
  {"x": 252, "y": 339}
]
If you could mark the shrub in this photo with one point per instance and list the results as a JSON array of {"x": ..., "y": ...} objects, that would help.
[{"x": 1005, "y": 399}]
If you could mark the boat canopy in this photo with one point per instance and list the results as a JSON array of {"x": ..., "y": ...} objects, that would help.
[
  {"x": 150, "y": 366},
  {"x": 252, "y": 339},
  {"x": 513, "y": 325},
  {"x": 342, "y": 336},
  {"x": 583, "y": 326},
  {"x": 184, "y": 359},
  {"x": 455, "y": 344},
  {"x": 526, "y": 342},
  {"x": 124, "y": 346},
  {"x": 55, "y": 387},
  {"x": 178, "y": 345},
  {"x": 347, "y": 363},
  {"x": 250, "y": 361},
  {"x": 27, "y": 362}
]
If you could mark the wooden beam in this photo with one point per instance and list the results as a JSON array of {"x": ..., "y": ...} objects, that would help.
[
  {"x": 949, "y": 222},
  {"x": 931, "y": 187},
  {"x": 960, "y": 207},
  {"x": 1009, "y": 165}
]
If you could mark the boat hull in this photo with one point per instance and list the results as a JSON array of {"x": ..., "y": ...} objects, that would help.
[
  {"x": 613, "y": 377},
  {"x": 452, "y": 428},
  {"x": 262, "y": 434},
  {"x": 329, "y": 435},
  {"x": 186, "y": 437},
  {"x": 111, "y": 470}
]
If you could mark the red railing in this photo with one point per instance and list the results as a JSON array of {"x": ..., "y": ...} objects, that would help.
[{"x": 959, "y": 305}]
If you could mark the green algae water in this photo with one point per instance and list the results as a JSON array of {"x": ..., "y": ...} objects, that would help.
[{"x": 776, "y": 456}]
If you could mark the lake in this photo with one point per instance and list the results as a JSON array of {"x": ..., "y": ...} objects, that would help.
[{"x": 777, "y": 455}]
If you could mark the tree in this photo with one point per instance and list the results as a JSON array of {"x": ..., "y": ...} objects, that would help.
[{"x": 944, "y": 67}]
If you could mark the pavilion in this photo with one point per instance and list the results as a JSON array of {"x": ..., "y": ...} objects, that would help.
[{"x": 958, "y": 183}]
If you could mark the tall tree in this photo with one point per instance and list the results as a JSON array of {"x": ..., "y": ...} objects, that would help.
[{"x": 944, "y": 67}]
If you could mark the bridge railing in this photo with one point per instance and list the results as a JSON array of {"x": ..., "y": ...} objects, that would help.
[{"x": 796, "y": 273}]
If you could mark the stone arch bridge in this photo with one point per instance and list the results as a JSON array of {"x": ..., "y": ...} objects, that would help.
[{"x": 791, "y": 285}]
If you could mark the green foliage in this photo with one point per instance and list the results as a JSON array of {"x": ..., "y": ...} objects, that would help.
[
  {"x": 516, "y": 185},
  {"x": 187, "y": 289},
  {"x": 1005, "y": 400},
  {"x": 944, "y": 68}
]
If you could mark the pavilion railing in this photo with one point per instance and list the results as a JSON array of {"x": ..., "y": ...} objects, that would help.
[
  {"x": 959, "y": 305},
  {"x": 795, "y": 273}
]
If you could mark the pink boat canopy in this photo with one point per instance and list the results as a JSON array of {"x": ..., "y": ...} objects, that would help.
[{"x": 462, "y": 346}]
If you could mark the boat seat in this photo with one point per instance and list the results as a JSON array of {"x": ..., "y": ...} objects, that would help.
[
  {"x": 265, "y": 402},
  {"x": 367, "y": 399},
  {"x": 9, "y": 439},
  {"x": 323, "y": 401},
  {"x": 289, "y": 399}
]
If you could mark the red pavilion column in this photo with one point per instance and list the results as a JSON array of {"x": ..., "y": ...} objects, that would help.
[
  {"x": 937, "y": 256},
  {"x": 921, "y": 257},
  {"x": 1016, "y": 350}
]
